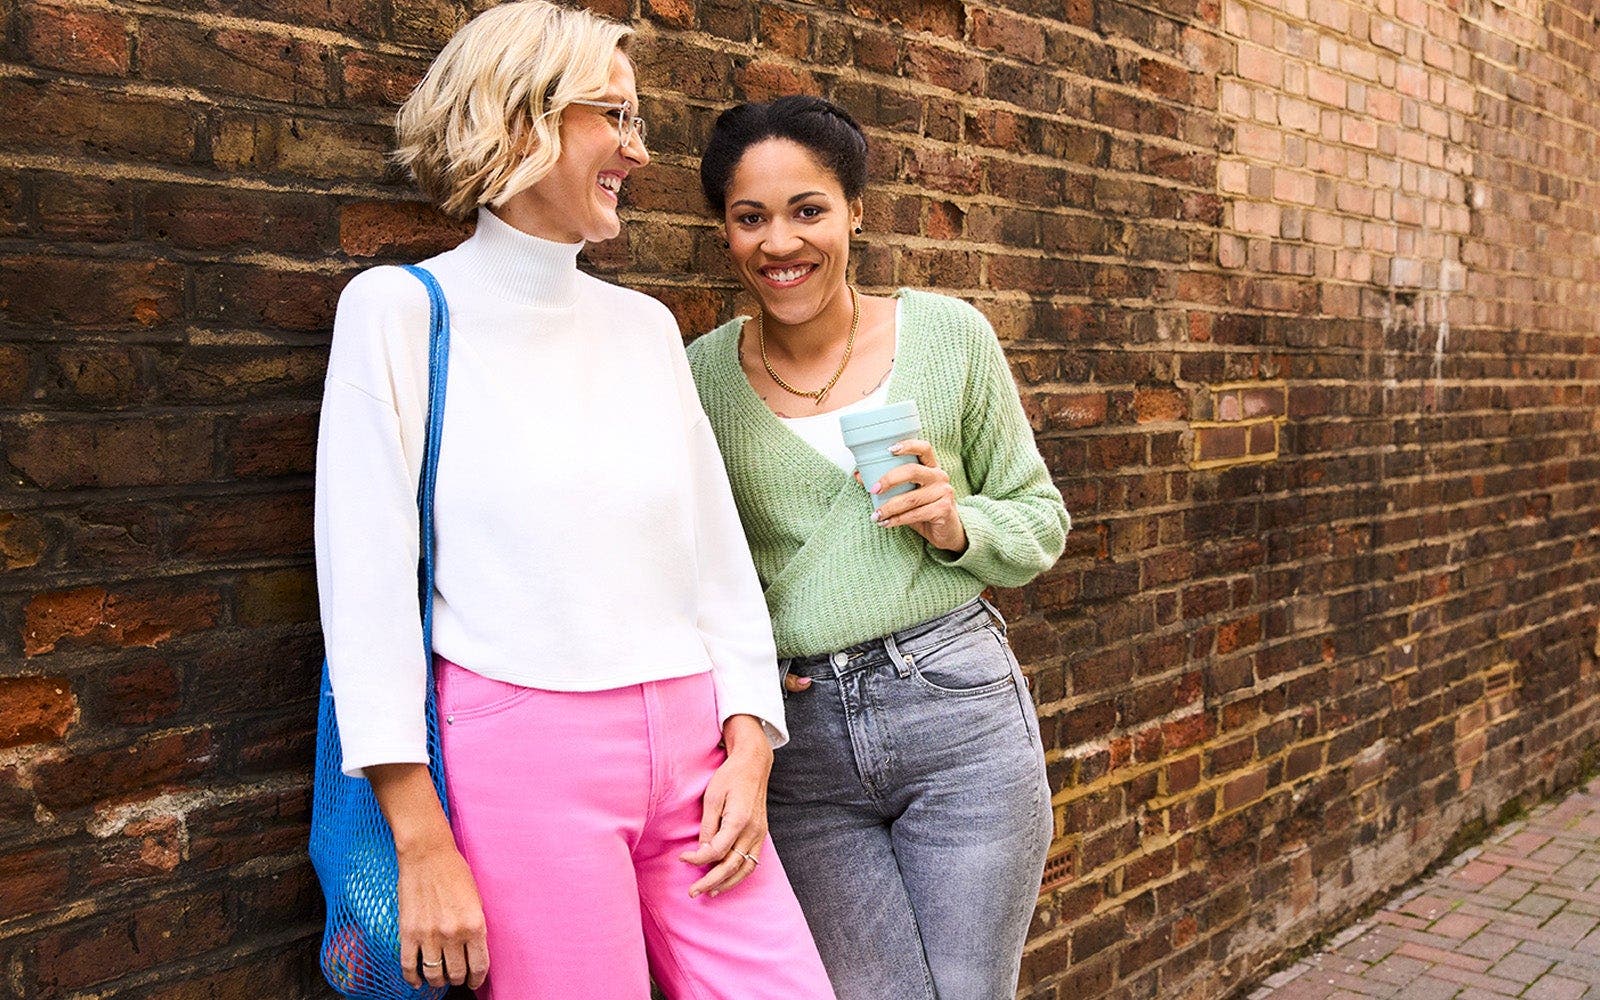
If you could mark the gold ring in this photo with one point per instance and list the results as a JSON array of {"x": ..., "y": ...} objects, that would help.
[{"x": 432, "y": 965}]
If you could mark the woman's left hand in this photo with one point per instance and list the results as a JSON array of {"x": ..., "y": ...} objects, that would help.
[
  {"x": 930, "y": 509},
  {"x": 733, "y": 825}
]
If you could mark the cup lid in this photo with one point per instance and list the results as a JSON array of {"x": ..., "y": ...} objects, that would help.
[{"x": 893, "y": 413}]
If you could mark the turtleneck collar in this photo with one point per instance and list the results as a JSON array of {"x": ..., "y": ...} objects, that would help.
[{"x": 520, "y": 267}]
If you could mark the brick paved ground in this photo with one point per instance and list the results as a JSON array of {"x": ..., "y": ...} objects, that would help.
[{"x": 1517, "y": 916}]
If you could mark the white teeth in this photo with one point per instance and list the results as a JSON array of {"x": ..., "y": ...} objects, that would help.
[
  {"x": 789, "y": 274},
  {"x": 611, "y": 183}
]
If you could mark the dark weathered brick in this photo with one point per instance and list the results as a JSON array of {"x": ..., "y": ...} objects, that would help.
[{"x": 84, "y": 121}]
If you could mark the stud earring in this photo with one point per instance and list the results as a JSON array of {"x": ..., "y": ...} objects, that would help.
[
  {"x": 724, "y": 244},
  {"x": 858, "y": 230}
]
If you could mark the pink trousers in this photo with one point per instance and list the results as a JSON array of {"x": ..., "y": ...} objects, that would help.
[{"x": 571, "y": 809}]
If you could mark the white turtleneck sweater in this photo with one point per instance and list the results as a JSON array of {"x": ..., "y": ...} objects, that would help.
[{"x": 586, "y": 535}]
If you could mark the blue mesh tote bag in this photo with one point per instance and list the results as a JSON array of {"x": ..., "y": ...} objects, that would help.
[{"x": 352, "y": 847}]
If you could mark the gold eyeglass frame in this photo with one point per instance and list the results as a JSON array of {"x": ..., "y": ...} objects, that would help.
[{"x": 627, "y": 124}]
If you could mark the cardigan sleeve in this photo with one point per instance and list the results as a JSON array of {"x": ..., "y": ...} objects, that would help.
[
  {"x": 1014, "y": 518},
  {"x": 366, "y": 527}
]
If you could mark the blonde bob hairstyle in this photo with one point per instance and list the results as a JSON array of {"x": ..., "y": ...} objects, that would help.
[{"x": 485, "y": 122}]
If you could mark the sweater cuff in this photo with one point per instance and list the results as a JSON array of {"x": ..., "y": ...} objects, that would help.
[
  {"x": 981, "y": 558},
  {"x": 765, "y": 706},
  {"x": 371, "y": 755}
]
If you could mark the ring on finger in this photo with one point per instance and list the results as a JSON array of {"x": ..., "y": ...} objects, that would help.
[
  {"x": 747, "y": 856},
  {"x": 432, "y": 965}
]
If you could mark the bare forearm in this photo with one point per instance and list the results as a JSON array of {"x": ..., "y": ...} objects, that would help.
[{"x": 406, "y": 795}]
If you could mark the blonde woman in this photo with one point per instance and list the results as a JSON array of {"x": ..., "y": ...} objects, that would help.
[{"x": 606, "y": 675}]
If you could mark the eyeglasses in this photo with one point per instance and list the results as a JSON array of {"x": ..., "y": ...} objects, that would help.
[{"x": 627, "y": 124}]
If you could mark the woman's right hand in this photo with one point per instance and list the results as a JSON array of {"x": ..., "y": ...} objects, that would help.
[
  {"x": 441, "y": 918},
  {"x": 442, "y": 937}
]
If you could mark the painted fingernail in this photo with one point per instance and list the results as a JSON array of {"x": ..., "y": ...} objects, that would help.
[
  {"x": 877, "y": 515},
  {"x": 876, "y": 488}
]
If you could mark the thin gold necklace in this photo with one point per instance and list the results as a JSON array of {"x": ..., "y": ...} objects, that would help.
[{"x": 849, "y": 345}]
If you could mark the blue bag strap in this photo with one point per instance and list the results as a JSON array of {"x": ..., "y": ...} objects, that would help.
[{"x": 438, "y": 378}]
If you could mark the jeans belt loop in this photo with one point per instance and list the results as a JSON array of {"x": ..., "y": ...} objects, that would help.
[
  {"x": 994, "y": 612},
  {"x": 902, "y": 662}
]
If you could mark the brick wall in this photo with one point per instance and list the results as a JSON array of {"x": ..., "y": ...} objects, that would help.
[{"x": 1305, "y": 300}]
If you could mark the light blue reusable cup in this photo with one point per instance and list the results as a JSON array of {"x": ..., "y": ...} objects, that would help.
[{"x": 870, "y": 434}]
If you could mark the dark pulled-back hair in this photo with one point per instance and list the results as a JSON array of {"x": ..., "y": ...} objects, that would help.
[{"x": 822, "y": 127}]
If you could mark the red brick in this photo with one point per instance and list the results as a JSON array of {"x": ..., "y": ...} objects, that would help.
[
  {"x": 786, "y": 32},
  {"x": 1244, "y": 789},
  {"x": 270, "y": 297},
  {"x": 359, "y": 17},
  {"x": 940, "y": 17},
  {"x": 89, "y": 209},
  {"x": 759, "y": 80},
  {"x": 275, "y": 444},
  {"x": 943, "y": 67},
  {"x": 67, "y": 119},
  {"x": 1216, "y": 443},
  {"x": 142, "y": 693},
  {"x": 121, "y": 943},
  {"x": 276, "y": 597},
  {"x": 1263, "y": 439},
  {"x": 945, "y": 170},
  {"x": 48, "y": 291},
  {"x": 261, "y": 66},
  {"x": 207, "y": 218},
  {"x": 144, "y": 616},
  {"x": 372, "y": 79},
  {"x": 76, "y": 40},
  {"x": 248, "y": 527},
  {"x": 35, "y": 709},
  {"x": 220, "y": 373},
  {"x": 409, "y": 229},
  {"x": 1007, "y": 34},
  {"x": 33, "y": 881}
]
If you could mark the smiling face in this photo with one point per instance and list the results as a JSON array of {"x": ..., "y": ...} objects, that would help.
[
  {"x": 789, "y": 224},
  {"x": 577, "y": 199}
]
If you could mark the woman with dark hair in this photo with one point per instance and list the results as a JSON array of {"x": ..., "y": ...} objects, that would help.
[{"x": 911, "y": 806}]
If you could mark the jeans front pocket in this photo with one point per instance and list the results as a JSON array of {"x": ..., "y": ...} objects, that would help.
[
  {"x": 465, "y": 695},
  {"x": 972, "y": 664}
]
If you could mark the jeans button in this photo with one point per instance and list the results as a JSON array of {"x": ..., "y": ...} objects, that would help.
[{"x": 840, "y": 659}]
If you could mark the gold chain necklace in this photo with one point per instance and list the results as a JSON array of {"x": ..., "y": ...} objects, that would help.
[{"x": 849, "y": 345}]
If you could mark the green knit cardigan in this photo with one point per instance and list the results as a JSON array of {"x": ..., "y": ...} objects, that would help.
[{"x": 833, "y": 577}]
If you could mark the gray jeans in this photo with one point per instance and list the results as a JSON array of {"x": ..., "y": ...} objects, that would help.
[{"x": 912, "y": 810}]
